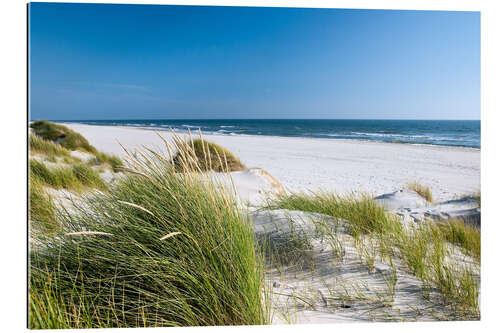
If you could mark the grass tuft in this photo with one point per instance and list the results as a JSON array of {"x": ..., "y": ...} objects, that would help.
[
  {"x": 114, "y": 267},
  {"x": 423, "y": 248},
  {"x": 287, "y": 247},
  {"x": 38, "y": 145},
  {"x": 42, "y": 214},
  {"x": 207, "y": 156},
  {"x": 364, "y": 215},
  {"x": 75, "y": 178},
  {"x": 459, "y": 233},
  {"x": 62, "y": 135},
  {"x": 423, "y": 191},
  {"x": 58, "y": 178},
  {"x": 88, "y": 176},
  {"x": 475, "y": 195},
  {"x": 53, "y": 140},
  {"x": 106, "y": 159}
]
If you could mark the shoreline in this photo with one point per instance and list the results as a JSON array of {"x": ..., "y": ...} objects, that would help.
[
  {"x": 317, "y": 164},
  {"x": 195, "y": 133}
]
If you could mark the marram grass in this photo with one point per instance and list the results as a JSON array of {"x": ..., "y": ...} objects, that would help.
[
  {"x": 422, "y": 190},
  {"x": 38, "y": 145},
  {"x": 424, "y": 249},
  {"x": 42, "y": 211},
  {"x": 157, "y": 249},
  {"x": 88, "y": 177},
  {"x": 51, "y": 139},
  {"x": 207, "y": 156},
  {"x": 62, "y": 135},
  {"x": 460, "y": 233},
  {"x": 57, "y": 178},
  {"x": 76, "y": 178},
  {"x": 364, "y": 215}
]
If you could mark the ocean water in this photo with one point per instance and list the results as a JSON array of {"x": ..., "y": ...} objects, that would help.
[{"x": 464, "y": 133}]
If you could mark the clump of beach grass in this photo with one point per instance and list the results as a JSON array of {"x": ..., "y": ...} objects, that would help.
[
  {"x": 62, "y": 135},
  {"x": 75, "y": 178},
  {"x": 112, "y": 160},
  {"x": 158, "y": 249},
  {"x": 292, "y": 247},
  {"x": 475, "y": 196},
  {"x": 42, "y": 211},
  {"x": 103, "y": 160},
  {"x": 364, "y": 215},
  {"x": 88, "y": 177},
  {"x": 207, "y": 156},
  {"x": 53, "y": 139},
  {"x": 38, "y": 145},
  {"x": 57, "y": 178},
  {"x": 424, "y": 249},
  {"x": 461, "y": 234},
  {"x": 422, "y": 190},
  {"x": 48, "y": 309}
]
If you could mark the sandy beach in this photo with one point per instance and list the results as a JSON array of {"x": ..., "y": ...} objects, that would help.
[
  {"x": 322, "y": 266},
  {"x": 249, "y": 166},
  {"x": 323, "y": 164}
]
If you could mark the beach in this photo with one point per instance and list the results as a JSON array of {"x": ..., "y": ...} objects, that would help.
[
  {"x": 242, "y": 166},
  {"x": 342, "y": 166},
  {"x": 328, "y": 258}
]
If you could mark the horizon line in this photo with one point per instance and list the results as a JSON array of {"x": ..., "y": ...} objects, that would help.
[{"x": 109, "y": 119}]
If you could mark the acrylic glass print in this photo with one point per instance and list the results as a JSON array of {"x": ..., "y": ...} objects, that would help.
[{"x": 206, "y": 165}]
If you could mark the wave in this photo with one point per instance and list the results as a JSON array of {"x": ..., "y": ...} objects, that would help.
[
  {"x": 413, "y": 132},
  {"x": 412, "y": 136},
  {"x": 390, "y": 135}
]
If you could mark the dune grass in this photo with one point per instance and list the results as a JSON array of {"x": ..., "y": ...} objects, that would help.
[
  {"x": 103, "y": 159},
  {"x": 52, "y": 152},
  {"x": 49, "y": 310},
  {"x": 207, "y": 156},
  {"x": 158, "y": 249},
  {"x": 423, "y": 249},
  {"x": 423, "y": 191},
  {"x": 53, "y": 139},
  {"x": 62, "y": 135},
  {"x": 474, "y": 195},
  {"x": 293, "y": 247},
  {"x": 364, "y": 215},
  {"x": 461, "y": 234},
  {"x": 38, "y": 145},
  {"x": 88, "y": 177},
  {"x": 425, "y": 252},
  {"x": 76, "y": 178},
  {"x": 42, "y": 214},
  {"x": 477, "y": 196},
  {"x": 114, "y": 161},
  {"x": 57, "y": 178}
]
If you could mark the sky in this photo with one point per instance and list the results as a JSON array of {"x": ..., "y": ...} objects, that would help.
[{"x": 98, "y": 61}]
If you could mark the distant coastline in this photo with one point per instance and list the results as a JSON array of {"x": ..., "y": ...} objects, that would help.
[{"x": 453, "y": 133}]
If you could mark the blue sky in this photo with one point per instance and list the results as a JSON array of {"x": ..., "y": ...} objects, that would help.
[{"x": 91, "y": 61}]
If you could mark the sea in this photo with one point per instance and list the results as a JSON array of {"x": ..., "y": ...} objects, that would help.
[{"x": 463, "y": 133}]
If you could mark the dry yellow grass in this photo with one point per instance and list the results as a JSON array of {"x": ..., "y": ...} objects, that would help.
[{"x": 423, "y": 191}]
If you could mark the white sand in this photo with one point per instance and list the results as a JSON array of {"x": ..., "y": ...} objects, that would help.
[
  {"x": 326, "y": 287},
  {"x": 338, "y": 165},
  {"x": 318, "y": 288}
]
